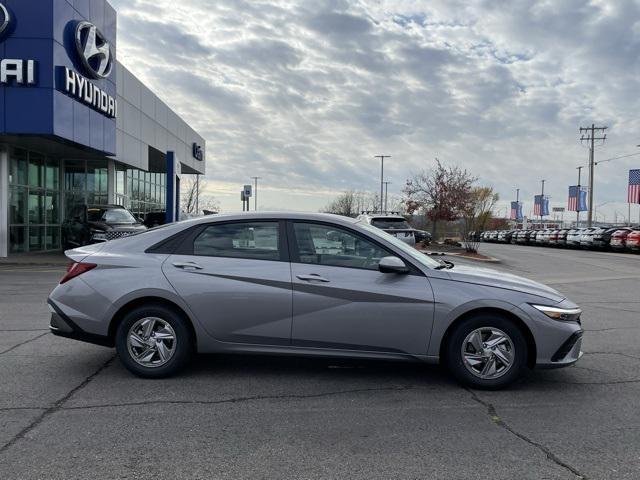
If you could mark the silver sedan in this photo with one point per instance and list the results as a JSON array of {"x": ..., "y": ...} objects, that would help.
[{"x": 306, "y": 284}]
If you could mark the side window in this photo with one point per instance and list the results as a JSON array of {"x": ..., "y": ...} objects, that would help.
[
  {"x": 257, "y": 241},
  {"x": 326, "y": 245}
]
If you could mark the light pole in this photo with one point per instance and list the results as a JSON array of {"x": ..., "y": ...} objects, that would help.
[
  {"x": 255, "y": 193},
  {"x": 386, "y": 195},
  {"x": 381, "y": 157}
]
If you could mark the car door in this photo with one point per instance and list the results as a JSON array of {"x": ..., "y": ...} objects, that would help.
[
  {"x": 342, "y": 301},
  {"x": 236, "y": 279}
]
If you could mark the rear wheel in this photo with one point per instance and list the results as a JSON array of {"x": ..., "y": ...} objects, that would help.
[
  {"x": 487, "y": 352},
  {"x": 154, "y": 341}
]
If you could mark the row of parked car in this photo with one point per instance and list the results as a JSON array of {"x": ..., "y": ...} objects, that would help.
[{"x": 603, "y": 238}]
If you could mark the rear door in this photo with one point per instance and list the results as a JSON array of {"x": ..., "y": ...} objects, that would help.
[
  {"x": 342, "y": 301},
  {"x": 236, "y": 279}
]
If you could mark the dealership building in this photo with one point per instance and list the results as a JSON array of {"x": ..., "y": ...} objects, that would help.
[{"x": 77, "y": 128}]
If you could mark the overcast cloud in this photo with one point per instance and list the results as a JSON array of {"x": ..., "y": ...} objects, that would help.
[{"x": 305, "y": 93}]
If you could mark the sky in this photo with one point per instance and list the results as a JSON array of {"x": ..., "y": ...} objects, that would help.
[{"x": 305, "y": 93}]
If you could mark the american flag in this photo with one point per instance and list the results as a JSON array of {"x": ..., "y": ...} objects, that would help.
[
  {"x": 516, "y": 211},
  {"x": 634, "y": 186},
  {"x": 540, "y": 206},
  {"x": 577, "y": 199}
]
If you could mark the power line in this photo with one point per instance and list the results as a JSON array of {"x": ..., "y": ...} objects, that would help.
[{"x": 617, "y": 158}]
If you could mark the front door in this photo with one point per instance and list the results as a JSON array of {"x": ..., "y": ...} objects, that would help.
[
  {"x": 236, "y": 279},
  {"x": 342, "y": 301}
]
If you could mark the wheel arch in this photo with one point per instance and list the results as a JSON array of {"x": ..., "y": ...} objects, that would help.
[
  {"x": 150, "y": 300},
  {"x": 522, "y": 326}
]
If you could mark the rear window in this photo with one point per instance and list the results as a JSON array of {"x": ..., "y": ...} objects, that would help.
[
  {"x": 391, "y": 223},
  {"x": 256, "y": 241}
]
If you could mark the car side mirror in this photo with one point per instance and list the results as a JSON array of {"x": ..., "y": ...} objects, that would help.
[{"x": 392, "y": 265}]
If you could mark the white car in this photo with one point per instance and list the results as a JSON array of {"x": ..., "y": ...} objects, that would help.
[{"x": 392, "y": 223}]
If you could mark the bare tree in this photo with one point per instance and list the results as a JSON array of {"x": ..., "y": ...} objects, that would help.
[
  {"x": 477, "y": 214},
  {"x": 351, "y": 203},
  {"x": 441, "y": 193},
  {"x": 194, "y": 198}
]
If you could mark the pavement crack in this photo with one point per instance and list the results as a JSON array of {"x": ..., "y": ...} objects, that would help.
[
  {"x": 495, "y": 418},
  {"x": 24, "y": 343},
  {"x": 239, "y": 399},
  {"x": 55, "y": 407}
]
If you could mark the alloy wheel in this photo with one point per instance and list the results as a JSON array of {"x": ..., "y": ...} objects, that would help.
[
  {"x": 488, "y": 353},
  {"x": 151, "y": 342}
]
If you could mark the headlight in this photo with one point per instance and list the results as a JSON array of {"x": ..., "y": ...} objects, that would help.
[{"x": 563, "y": 314}]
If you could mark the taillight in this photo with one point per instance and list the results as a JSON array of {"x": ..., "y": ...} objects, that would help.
[{"x": 74, "y": 269}]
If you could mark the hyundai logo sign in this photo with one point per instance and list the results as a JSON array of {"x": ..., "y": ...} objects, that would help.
[
  {"x": 94, "y": 50},
  {"x": 5, "y": 18},
  {"x": 198, "y": 154}
]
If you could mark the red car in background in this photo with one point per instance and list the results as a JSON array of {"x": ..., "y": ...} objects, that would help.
[
  {"x": 619, "y": 239},
  {"x": 633, "y": 240}
]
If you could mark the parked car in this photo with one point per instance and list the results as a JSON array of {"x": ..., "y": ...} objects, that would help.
[
  {"x": 586, "y": 239},
  {"x": 553, "y": 237},
  {"x": 98, "y": 223},
  {"x": 306, "y": 284},
  {"x": 422, "y": 236},
  {"x": 573, "y": 237},
  {"x": 633, "y": 240},
  {"x": 619, "y": 239},
  {"x": 562, "y": 238},
  {"x": 542, "y": 238},
  {"x": 602, "y": 239},
  {"x": 392, "y": 223},
  {"x": 155, "y": 219}
]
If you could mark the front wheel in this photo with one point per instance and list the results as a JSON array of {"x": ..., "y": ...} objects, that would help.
[
  {"x": 153, "y": 341},
  {"x": 487, "y": 352}
]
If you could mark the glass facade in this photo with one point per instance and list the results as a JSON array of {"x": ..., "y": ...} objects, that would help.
[
  {"x": 43, "y": 190},
  {"x": 85, "y": 183},
  {"x": 34, "y": 201},
  {"x": 146, "y": 191}
]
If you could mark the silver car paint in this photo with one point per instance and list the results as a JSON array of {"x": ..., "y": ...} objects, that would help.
[{"x": 361, "y": 313}]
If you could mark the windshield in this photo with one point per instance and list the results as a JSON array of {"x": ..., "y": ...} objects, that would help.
[
  {"x": 110, "y": 215},
  {"x": 391, "y": 223},
  {"x": 400, "y": 245}
]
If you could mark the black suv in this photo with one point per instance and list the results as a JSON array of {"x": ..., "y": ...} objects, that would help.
[{"x": 98, "y": 223}]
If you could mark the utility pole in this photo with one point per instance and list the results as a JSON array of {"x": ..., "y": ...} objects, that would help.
[
  {"x": 381, "y": 157},
  {"x": 386, "y": 195},
  {"x": 579, "y": 193},
  {"x": 588, "y": 134},
  {"x": 255, "y": 193}
]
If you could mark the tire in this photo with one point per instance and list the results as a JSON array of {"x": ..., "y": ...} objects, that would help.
[
  {"x": 489, "y": 326},
  {"x": 158, "y": 354}
]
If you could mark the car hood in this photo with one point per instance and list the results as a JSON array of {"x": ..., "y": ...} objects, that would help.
[
  {"x": 118, "y": 227},
  {"x": 496, "y": 279}
]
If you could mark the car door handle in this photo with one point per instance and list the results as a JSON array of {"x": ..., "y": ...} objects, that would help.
[
  {"x": 185, "y": 265},
  {"x": 312, "y": 278}
]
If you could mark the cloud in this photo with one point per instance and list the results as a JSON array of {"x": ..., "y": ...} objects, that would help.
[{"x": 304, "y": 93}]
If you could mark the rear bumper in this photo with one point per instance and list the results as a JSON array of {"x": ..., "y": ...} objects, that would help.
[{"x": 62, "y": 326}]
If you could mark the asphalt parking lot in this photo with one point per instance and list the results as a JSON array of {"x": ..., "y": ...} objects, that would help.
[{"x": 70, "y": 411}]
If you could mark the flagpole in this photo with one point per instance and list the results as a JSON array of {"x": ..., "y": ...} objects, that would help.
[
  {"x": 578, "y": 193},
  {"x": 542, "y": 203}
]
